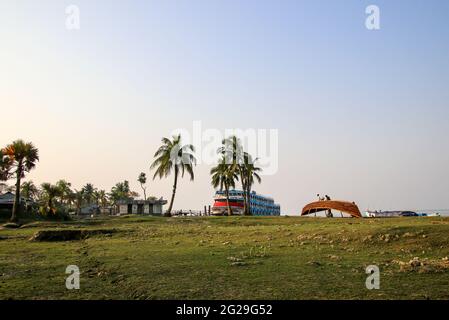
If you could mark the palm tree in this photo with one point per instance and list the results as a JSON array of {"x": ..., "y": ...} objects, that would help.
[
  {"x": 51, "y": 192},
  {"x": 22, "y": 158},
  {"x": 251, "y": 173},
  {"x": 66, "y": 191},
  {"x": 88, "y": 192},
  {"x": 120, "y": 191},
  {"x": 101, "y": 198},
  {"x": 173, "y": 156},
  {"x": 142, "y": 179},
  {"x": 224, "y": 176},
  {"x": 29, "y": 190},
  {"x": 241, "y": 162},
  {"x": 232, "y": 151},
  {"x": 78, "y": 196},
  {"x": 5, "y": 165},
  {"x": 244, "y": 181},
  {"x": 70, "y": 199}
]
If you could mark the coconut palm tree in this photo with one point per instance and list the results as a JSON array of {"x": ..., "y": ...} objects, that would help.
[
  {"x": 241, "y": 161},
  {"x": 251, "y": 174},
  {"x": 173, "y": 156},
  {"x": 121, "y": 191},
  {"x": 70, "y": 199},
  {"x": 5, "y": 165},
  {"x": 88, "y": 192},
  {"x": 224, "y": 177},
  {"x": 29, "y": 190},
  {"x": 142, "y": 179},
  {"x": 244, "y": 181},
  {"x": 66, "y": 191},
  {"x": 22, "y": 159},
  {"x": 101, "y": 198},
  {"x": 77, "y": 197},
  {"x": 51, "y": 192},
  {"x": 232, "y": 150}
]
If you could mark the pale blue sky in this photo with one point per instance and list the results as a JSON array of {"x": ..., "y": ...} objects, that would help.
[{"x": 362, "y": 115}]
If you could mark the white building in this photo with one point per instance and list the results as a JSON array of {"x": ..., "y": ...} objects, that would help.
[{"x": 144, "y": 207}]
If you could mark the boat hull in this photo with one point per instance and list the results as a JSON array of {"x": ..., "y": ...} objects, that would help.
[{"x": 342, "y": 206}]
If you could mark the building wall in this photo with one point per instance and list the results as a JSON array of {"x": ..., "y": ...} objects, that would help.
[
  {"x": 123, "y": 209},
  {"x": 157, "y": 209},
  {"x": 149, "y": 209}
]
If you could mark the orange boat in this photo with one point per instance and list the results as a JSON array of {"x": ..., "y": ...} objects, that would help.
[{"x": 325, "y": 205}]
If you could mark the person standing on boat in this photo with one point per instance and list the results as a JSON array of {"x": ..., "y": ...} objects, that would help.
[{"x": 329, "y": 211}]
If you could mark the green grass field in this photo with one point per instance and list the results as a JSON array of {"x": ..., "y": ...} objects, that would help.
[{"x": 230, "y": 258}]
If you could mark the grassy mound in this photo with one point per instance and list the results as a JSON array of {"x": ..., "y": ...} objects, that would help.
[{"x": 11, "y": 225}]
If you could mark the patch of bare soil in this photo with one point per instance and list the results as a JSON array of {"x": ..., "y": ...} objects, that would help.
[{"x": 68, "y": 235}]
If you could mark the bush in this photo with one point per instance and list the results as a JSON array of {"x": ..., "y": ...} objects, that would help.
[
  {"x": 5, "y": 214},
  {"x": 59, "y": 213},
  {"x": 37, "y": 213}
]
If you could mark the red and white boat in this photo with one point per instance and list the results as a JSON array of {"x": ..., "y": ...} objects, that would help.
[{"x": 220, "y": 206}]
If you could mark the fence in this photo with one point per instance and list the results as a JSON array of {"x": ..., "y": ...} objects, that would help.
[{"x": 190, "y": 213}]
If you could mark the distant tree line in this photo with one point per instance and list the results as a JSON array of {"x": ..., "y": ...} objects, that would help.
[
  {"x": 19, "y": 158},
  {"x": 172, "y": 157}
]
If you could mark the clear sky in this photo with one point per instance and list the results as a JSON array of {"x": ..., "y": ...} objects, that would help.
[{"x": 362, "y": 115}]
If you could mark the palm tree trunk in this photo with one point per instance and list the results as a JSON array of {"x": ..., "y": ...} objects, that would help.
[
  {"x": 16, "y": 205},
  {"x": 248, "y": 194},
  {"x": 50, "y": 205},
  {"x": 227, "y": 201},
  {"x": 245, "y": 205},
  {"x": 168, "y": 213}
]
